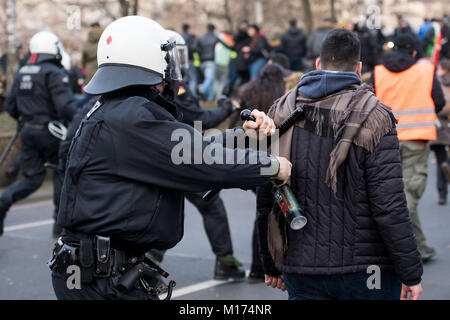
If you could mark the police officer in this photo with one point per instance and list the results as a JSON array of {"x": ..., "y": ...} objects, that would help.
[
  {"x": 213, "y": 212},
  {"x": 40, "y": 93},
  {"x": 123, "y": 192}
]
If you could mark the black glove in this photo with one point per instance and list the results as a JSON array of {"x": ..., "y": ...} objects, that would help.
[{"x": 225, "y": 102}]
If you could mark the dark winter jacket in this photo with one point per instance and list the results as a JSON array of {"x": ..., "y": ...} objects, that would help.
[
  {"x": 293, "y": 43},
  {"x": 190, "y": 43},
  {"x": 367, "y": 221},
  {"x": 188, "y": 105},
  {"x": 122, "y": 181},
  {"x": 315, "y": 41},
  {"x": 396, "y": 61},
  {"x": 205, "y": 46},
  {"x": 369, "y": 48},
  {"x": 261, "y": 49},
  {"x": 40, "y": 93},
  {"x": 241, "y": 39}
]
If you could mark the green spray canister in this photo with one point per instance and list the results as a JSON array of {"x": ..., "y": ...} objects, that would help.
[{"x": 289, "y": 206}]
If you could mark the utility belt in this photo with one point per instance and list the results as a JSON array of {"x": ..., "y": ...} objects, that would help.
[
  {"x": 37, "y": 126},
  {"x": 96, "y": 259}
]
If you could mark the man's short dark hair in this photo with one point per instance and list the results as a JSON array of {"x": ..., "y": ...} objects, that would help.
[
  {"x": 210, "y": 27},
  {"x": 293, "y": 22},
  {"x": 95, "y": 25},
  {"x": 185, "y": 27},
  {"x": 340, "y": 51}
]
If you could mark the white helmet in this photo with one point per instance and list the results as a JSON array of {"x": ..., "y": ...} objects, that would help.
[
  {"x": 133, "y": 50},
  {"x": 181, "y": 47},
  {"x": 46, "y": 42},
  {"x": 66, "y": 61}
]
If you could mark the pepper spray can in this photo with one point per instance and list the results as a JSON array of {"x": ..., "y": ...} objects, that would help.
[{"x": 289, "y": 206}]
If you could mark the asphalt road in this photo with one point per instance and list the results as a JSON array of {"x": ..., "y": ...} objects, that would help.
[{"x": 26, "y": 245}]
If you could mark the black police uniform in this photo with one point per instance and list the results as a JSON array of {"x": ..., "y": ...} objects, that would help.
[
  {"x": 213, "y": 212},
  {"x": 123, "y": 195},
  {"x": 191, "y": 111},
  {"x": 40, "y": 93}
]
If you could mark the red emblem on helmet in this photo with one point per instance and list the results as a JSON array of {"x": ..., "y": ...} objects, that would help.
[{"x": 108, "y": 41}]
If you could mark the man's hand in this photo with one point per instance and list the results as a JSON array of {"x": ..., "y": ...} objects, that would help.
[
  {"x": 275, "y": 282},
  {"x": 285, "y": 170},
  {"x": 414, "y": 292},
  {"x": 263, "y": 124}
]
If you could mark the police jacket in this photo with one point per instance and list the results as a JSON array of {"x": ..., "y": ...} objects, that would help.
[
  {"x": 122, "y": 181},
  {"x": 191, "y": 111},
  {"x": 40, "y": 93}
]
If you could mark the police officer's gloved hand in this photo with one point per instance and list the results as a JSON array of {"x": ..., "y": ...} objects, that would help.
[{"x": 225, "y": 102}]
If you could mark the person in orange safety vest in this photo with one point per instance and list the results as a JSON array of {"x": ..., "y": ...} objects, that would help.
[{"x": 413, "y": 92}]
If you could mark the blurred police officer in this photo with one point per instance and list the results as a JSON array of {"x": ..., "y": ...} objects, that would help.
[
  {"x": 40, "y": 93},
  {"x": 213, "y": 212},
  {"x": 123, "y": 194}
]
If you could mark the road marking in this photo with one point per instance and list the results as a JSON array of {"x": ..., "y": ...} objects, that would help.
[
  {"x": 196, "y": 287},
  {"x": 29, "y": 225},
  {"x": 30, "y": 205}
]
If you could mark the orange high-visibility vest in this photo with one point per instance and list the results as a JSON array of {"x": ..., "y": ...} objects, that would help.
[{"x": 408, "y": 93}]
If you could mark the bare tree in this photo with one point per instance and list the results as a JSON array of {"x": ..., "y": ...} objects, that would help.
[
  {"x": 307, "y": 16},
  {"x": 126, "y": 8},
  {"x": 135, "y": 7},
  {"x": 333, "y": 9},
  {"x": 10, "y": 28}
]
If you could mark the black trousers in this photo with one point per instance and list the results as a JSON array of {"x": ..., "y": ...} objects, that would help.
[
  {"x": 38, "y": 147},
  {"x": 441, "y": 157},
  {"x": 215, "y": 222},
  {"x": 100, "y": 289}
]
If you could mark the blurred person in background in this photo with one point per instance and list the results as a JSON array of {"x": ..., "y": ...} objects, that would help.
[
  {"x": 239, "y": 67},
  {"x": 77, "y": 78},
  {"x": 369, "y": 47},
  {"x": 415, "y": 95},
  {"x": 192, "y": 74},
  {"x": 89, "y": 52},
  {"x": 39, "y": 94},
  {"x": 257, "y": 52},
  {"x": 314, "y": 41},
  {"x": 89, "y": 58},
  {"x": 222, "y": 58},
  {"x": 293, "y": 45},
  {"x": 442, "y": 142},
  {"x": 403, "y": 28},
  {"x": 205, "y": 47}
]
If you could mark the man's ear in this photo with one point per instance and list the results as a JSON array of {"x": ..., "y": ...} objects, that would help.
[
  {"x": 358, "y": 69},
  {"x": 414, "y": 53},
  {"x": 318, "y": 66}
]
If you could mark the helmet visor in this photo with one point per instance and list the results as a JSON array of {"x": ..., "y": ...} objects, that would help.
[
  {"x": 184, "y": 59},
  {"x": 173, "y": 59}
]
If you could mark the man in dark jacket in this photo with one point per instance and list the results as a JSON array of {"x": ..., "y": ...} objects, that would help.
[
  {"x": 127, "y": 169},
  {"x": 347, "y": 178},
  {"x": 315, "y": 39},
  {"x": 205, "y": 48},
  {"x": 293, "y": 44},
  {"x": 40, "y": 93},
  {"x": 191, "y": 43}
]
